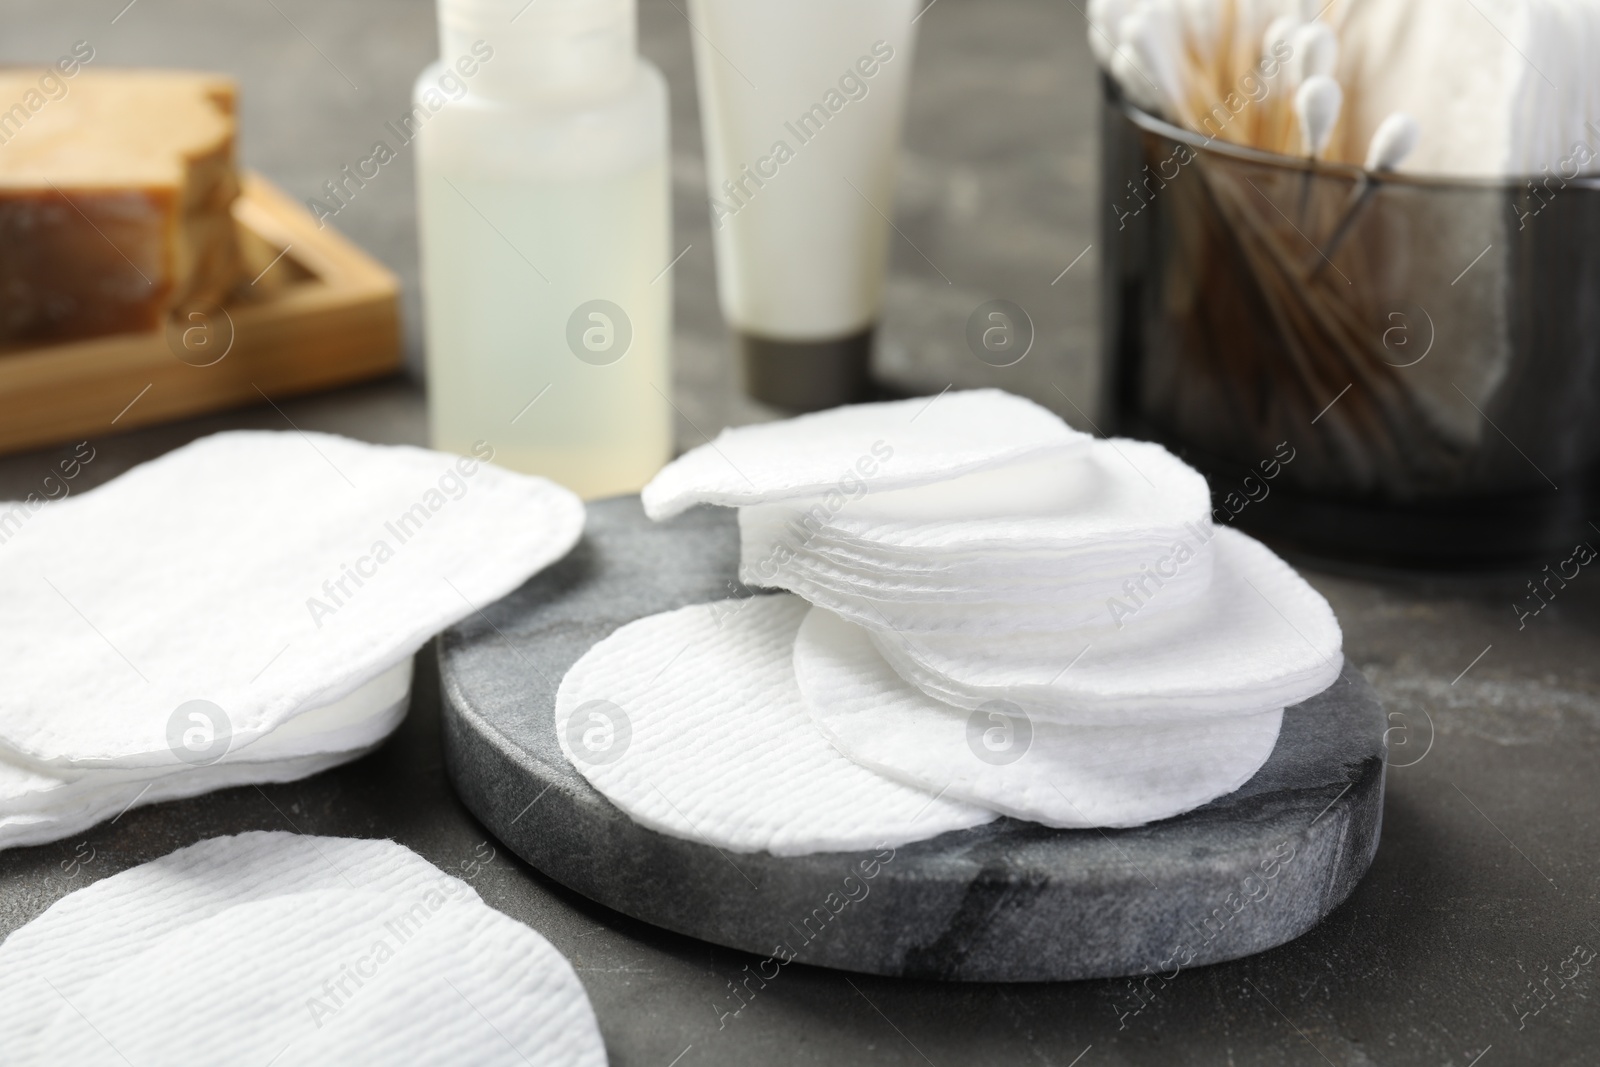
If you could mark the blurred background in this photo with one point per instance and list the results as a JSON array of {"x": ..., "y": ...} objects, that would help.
[{"x": 995, "y": 195}]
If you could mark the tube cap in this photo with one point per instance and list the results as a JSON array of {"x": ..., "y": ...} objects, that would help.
[{"x": 808, "y": 375}]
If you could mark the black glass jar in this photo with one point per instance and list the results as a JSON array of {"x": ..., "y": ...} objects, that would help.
[{"x": 1383, "y": 369}]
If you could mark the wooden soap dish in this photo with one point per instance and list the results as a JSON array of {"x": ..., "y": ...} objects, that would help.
[{"x": 313, "y": 312}]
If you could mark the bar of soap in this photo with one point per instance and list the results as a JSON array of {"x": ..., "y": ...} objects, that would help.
[{"x": 115, "y": 200}]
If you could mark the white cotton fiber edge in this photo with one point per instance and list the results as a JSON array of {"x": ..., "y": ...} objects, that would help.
[
  {"x": 44, "y": 804},
  {"x": 1260, "y": 639},
  {"x": 910, "y": 606},
  {"x": 865, "y": 446},
  {"x": 1038, "y": 576},
  {"x": 998, "y": 757},
  {"x": 1116, "y": 490},
  {"x": 349, "y": 722},
  {"x": 337, "y": 976},
  {"x": 1035, "y": 546},
  {"x": 112, "y": 920},
  {"x": 268, "y": 573},
  {"x": 35, "y": 828},
  {"x": 691, "y": 723}
]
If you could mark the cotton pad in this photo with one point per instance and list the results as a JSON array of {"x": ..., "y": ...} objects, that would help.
[
  {"x": 267, "y": 573},
  {"x": 36, "y": 828},
  {"x": 691, "y": 722},
  {"x": 41, "y": 804},
  {"x": 1111, "y": 490},
  {"x": 1039, "y": 545},
  {"x": 111, "y": 921},
  {"x": 475, "y": 987},
  {"x": 336, "y": 976},
  {"x": 998, "y": 757},
  {"x": 1006, "y": 613},
  {"x": 842, "y": 453},
  {"x": 1260, "y": 639}
]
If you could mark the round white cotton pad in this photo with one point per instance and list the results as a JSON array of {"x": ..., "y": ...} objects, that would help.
[
  {"x": 1258, "y": 640},
  {"x": 336, "y": 976},
  {"x": 865, "y": 447},
  {"x": 45, "y": 804},
  {"x": 267, "y": 573},
  {"x": 1000, "y": 758},
  {"x": 58, "y": 954},
  {"x": 691, "y": 723}
]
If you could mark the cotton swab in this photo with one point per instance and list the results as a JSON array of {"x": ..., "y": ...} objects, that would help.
[
  {"x": 1316, "y": 52},
  {"x": 1276, "y": 117},
  {"x": 1104, "y": 18},
  {"x": 1316, "y": 104},
  {"x": 1202, "y": 20},
  {"x": 1391, "y": 143},
  {"x": 1134, "y": 82},
  {"x": 1279, "y": 31},
  {"x": 1152, "y": 43},
  {"x": 1111, "y": 23}
]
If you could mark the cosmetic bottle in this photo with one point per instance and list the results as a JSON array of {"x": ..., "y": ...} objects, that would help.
[
  {"x": 541, "y": 141},
  {"x": 802, "y": 103}
]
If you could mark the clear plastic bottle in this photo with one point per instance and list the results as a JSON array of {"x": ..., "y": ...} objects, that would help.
[{"x": 546, "y": 233}]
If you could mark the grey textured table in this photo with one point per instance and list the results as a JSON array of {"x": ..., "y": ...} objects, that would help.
[{"x": 1487, "y": 876}]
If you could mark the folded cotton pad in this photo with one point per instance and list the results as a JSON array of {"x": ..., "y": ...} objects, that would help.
[
  {"x": 57, "y": 955},
  {"x": 998, "y": 757},
  {"x": 864, "y": 448},
  {"x": 1260, "y": 639},
  {"x": 267, "y": 573},
  {"x": 691, "y": 723},
  {"x": 302, "y": 950},
  {"x": 41, "y": 804}
]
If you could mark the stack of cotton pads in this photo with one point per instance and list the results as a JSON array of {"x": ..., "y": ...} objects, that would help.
[
  {"x": 284, "y": 949},
  {"x": 996, "y": 615},
  {"x": 243, "y": 609},
  {"x": 1033, "y": 546}
]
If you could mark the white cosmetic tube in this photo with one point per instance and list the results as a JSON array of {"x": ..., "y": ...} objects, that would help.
[{"x": 802, "y": 103}]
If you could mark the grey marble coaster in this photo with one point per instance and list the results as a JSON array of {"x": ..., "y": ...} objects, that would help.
[{"x": 1010, "y": 901}]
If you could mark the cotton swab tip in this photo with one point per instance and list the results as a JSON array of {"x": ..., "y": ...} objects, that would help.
[
  {"x": 1392, "y": 142},
  {"x": 1315, "y": 50},
  {"x": 1153, "y": 46},
  {"x": 1279, "y": 32},
  {"x": 1104, "y": 18},
  {"x": 1316, "y": 105}
]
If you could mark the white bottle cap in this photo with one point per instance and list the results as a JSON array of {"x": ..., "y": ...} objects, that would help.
[{"x": 543, "y": 48}]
